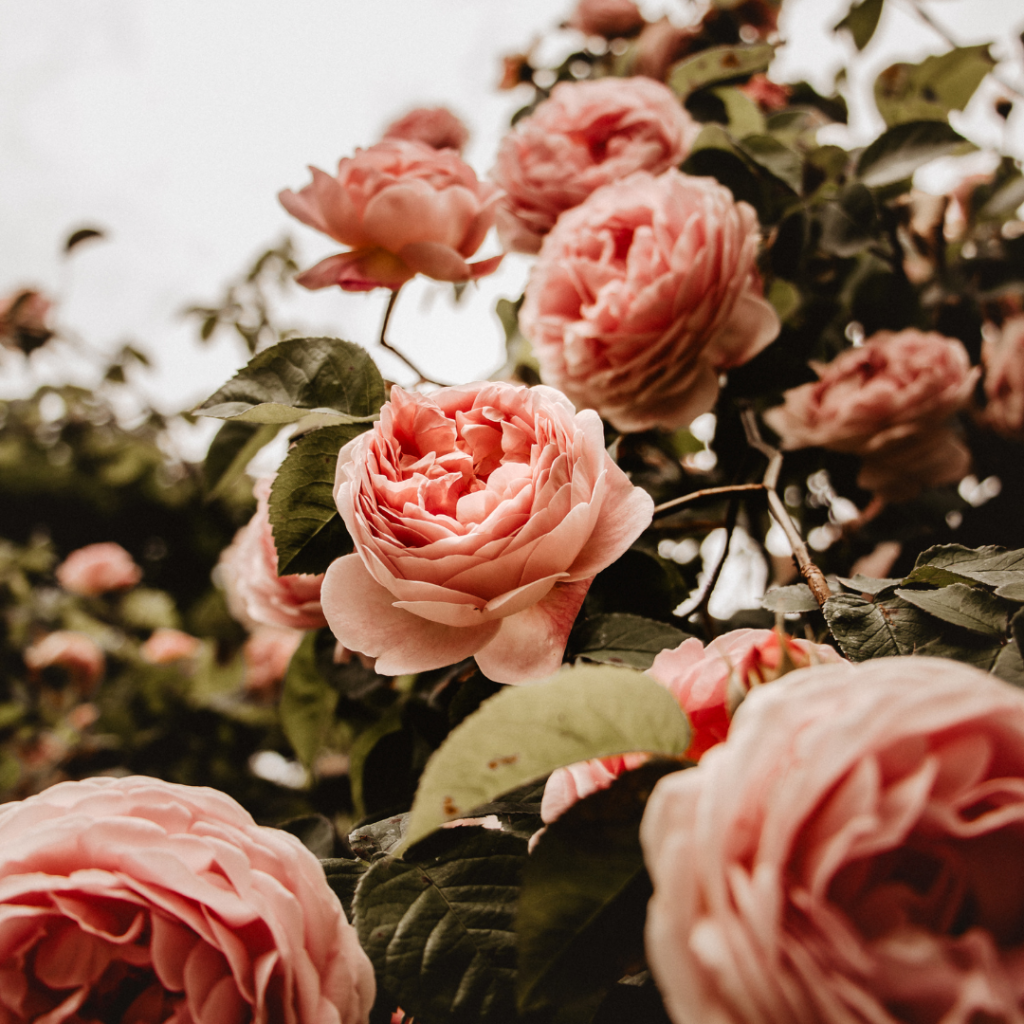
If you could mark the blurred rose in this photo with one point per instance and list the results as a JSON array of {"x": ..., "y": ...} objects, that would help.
[
  {"x": 851, "y": 853},
  {"x": 168, "y": 645},
  {"x": 480, "y": 515},
  {"x": 577, "y": 781},
  {"x": 256, "y": 595},
  {"x": 585, "y": 135},
  {"x": 404, "y": 209},
  {"x": 437, "y": 127},
  {"x": 768, "y": 95},
  {"x": 660, "y": 45},
  {"x": 77, "y": 654},
  {"x": 97, "y": 568},
  {"x": 608, "y": 18},
  {"x": 1002, "y": 355},
  {"x": 889, "y": 402},
  {"x": 24, "y": 319},
  {"x": 644, "y": 295},
  {"x": 266, "y": 655},
  {"x": 138, "y": 900}
]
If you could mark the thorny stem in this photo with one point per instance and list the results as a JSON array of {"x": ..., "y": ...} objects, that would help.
[{"x": 384, "y": 343}]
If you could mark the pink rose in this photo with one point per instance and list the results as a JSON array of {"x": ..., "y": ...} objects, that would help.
[
  {"x": 267, "y": 654},
  {"x": 660, "y": 45},
  {"x": 888, "y": 402},
  {"x": 851, "y": 853},
  {"x": 436, "y": 127},
  {"x": 480, "y": 515},
  {"x": 565, "y": 786},
  {"x": 1002, "y": 354},
  {"x": 169, "y": 645},
  {"x": 24, "y": 320},
  {"x": 767, "y": 94},
  {"x": 404, "y": 208},
  {"x": 256, "y": 595},
  {"x": 79, "y": 655},
  {"x": 644, "y": 295},
  {"x": 608, "y": 18},
  {"x": 97, "y": 568},
  {"x": 585, "y": 135},
  {"x": 139, "y": 900}
]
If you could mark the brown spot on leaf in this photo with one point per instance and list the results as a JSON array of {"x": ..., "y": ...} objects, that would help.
[{"x": 499, "y": 762}]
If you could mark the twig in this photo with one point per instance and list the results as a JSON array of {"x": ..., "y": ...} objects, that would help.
[
  {"x": 384, "y": 343},
  {"x": 732, "y": 514},
  {"x": 707, "y": 492}
]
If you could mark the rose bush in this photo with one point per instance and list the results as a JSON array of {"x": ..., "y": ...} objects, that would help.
[
  {"x": 139, "y": 900},
  {"x": 98, "y": 568},
  {"x": 437, "y": 127},
  {"x": 851, "y": 853},
  {"x": 608, "y": 18},
  {"x": 256, "y": 595},
  {"x": 480, "y": 514},
  {"x": 644, "y": 294},
  {"x": 404, "y": 208},
  {"x": 1002, "y": 355},
  {"x": 585, "y": 135},
  {"x": 887, "y": 401}
]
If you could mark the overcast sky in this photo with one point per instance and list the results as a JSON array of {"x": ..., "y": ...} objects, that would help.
[{"x": 173, "y": 125}]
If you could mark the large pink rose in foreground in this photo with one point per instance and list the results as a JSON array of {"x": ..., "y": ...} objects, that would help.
[
  {"x": 256, "y": 595},
  {"x": 889, "y": 402},
  {"x": 1002, "y": 353},
  {"x": 644, "y": 295},
  {"x": 585, "y": 135},
  {"x": 480, "y": 514},
  {"x": 98, "y": 568},
  {"x": 142, "y": 901},
  {"x": 403, "y": 208},
  {"x": 852, "y": 853}
]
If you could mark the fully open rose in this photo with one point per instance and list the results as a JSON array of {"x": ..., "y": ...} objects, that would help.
[
  {"x": 851, "y": 853},
  {"x": 585, "y": 135},
  {"x": 644, "y": 294},
  {"x": 404, "y": 208},
  {"x": 143, "y": 901},
  {"x": 480, "y": 515}
]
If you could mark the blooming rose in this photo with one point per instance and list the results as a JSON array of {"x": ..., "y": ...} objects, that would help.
[
  {"x": 24, "y": 320},
  {"x": 660, "y": 44},
  {"x": 79, "y": 655},
  {"x": 608, "y": 18},
  {"x": 480, "y": 514},
  {"x": 644, "y": 294},
  {"x": 851, "y": 853},
  {"x": 168, "y": 645},
  {"x": 97, "y": 568},
  {"x": 143, "y": 901},
  {"x": 256, "y": 595},
  {"x": 437, "y": 127},
  {"x": 888, "y": 402},
  {"x": 767, "y": 94},
  {"x": 585, "y": 135},
  {"x": 1002, "y": 354},
  {"x": 404, "y": 208},
  {"x": 267, "y": 654}
]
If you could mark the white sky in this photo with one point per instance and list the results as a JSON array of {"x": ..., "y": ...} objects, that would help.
[{"x": 172, "y": 124}]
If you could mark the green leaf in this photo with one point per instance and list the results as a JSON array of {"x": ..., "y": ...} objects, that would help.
[
  {"x": 315, "y": 832},
  {"x": 230, "y": 452},
  {"x": 629, "y": 640},
  {"x": 848, "y": 222},
  {"x": 861, "y": 628},
  {"x": 370, "y": 841},
  {"x": 1005, "y": 200},
  {"x": 861, "y": 21},
  {"x": 294, "y": 378},
  {"x": 930, "y": 90},
  {"x": 1009, "y": 666},
  {"x": 1011, "y": 591},
  {"x": 784, "y": 297},
  {"x": 525, "y": 732},
  {"x": 146, "y": 608},
  {"x": 795, "y": 598},
  {"x": 744, "y": 115},
  {"x": 718, "y": 64},
  {"x": 440, "y": 932},
  {"x": 584, "y": 896},
  {"x": 307, "y": 703},
  {"x": 308, "y": 531},
  {"x": 897, "y": 153},
  {"x": 389, "y": 722},
  {"x": 867, "y": 584},
  {"x": 343, "y": 876},
  {"x": 778, "y": 160},
  {"x": 934, "y": 576},
  {"x": 962, "y": 605},
  {"x": 994, "y": 566}
]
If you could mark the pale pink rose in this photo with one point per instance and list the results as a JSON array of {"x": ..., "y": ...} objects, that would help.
[
  {"x": 608, "y": 18},
  {"x": 585, "y": 135},
  {"x": 168, "y": 645},
  {"x": 143, "y": 901},
  {"x": 255, "y": 594},
  {"x": 577, "y": 781},
  {"x": 480, "y": 515},
  {"x": 1002, "y": 354},
  {"x": 267, "y": 654},
  {"x": 404, "y": 209},
  {"x": 767, "y": 94},
  {"x": 851, "y": 853},
  {"x": 98, "y": 568},
  {"x": 659, "y": 45},
  {"x": 644, "y": 295},
  {"x": 24, "y": 320},
  {"x": 888, "y": 401},
  {"x": 79, "y": 655},
  {"x": 437, "y": 127}
]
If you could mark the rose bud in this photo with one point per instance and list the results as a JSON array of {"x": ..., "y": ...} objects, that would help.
[
  {"x": 97, "y": 569},
  {"x": 436, "y": 127},
  {"x": 608, "y": 18},
  {"x": 75, "y": 653}
]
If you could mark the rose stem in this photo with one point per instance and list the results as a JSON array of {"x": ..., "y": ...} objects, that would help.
[
  {"x": 384, "y": 343},
  {"x": 731, "y": 515},
  {"x": 707, "y": 492}
]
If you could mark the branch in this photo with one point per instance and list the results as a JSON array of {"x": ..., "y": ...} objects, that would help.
[
  {"x": 384, "y": 343},
  {"x": 707, "y": 492}
]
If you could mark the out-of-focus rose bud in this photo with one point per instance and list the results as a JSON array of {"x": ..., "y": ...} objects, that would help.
[
  {"x": 659, "y": 46},
  {"x": 608, "y": 18},
  {"x": 24, "y": 320},
  {"x": 437, "y": 127},
  {"x": 77, "y": 654},
  {"x": 168, "y": 645},
  {"x": 266, "y": 655},
  {"x": 768, "y": 95},
  {"x": 97, "y": 569},
  {"x": 1002, "y": 355}
]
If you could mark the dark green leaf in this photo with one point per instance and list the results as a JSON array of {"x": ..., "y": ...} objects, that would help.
[
  {"x": 861, "y": 21},
  {"x": 743, "y": 115},
  {"x": 795, "y": 598},
  {"x": 897, "y": 153},
  {"x": 1012, "y": 591},
  {"x": 778, "y": 160},
  {"x": 962, "y": 605},
  {"x": 389, "y": 722},
  {"x": 315, "y": 831},
  {"x": 230, "y": 452},
  {"x": 298, "y": 377},
  {"x": 934, "y": 576},
  {"x": 991, "y": 565},
  {"x": 440, "y": 932},
  {"x": 1009, "y": 666},
  {"x": 629, "y": 640},
  {"x": 1017, "y": 630},
  {"x": 370, "y": 841},
  {"x": 848, "y": 223},
  {"x": 307, "y": 703},
  {"x": 308, "y": 531},
  {"x": 867, "y": 584},
  {"x": 718, "y": 64},
  {"x": 343, "y": 877},
  {"x": 860, "y": 627}
]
